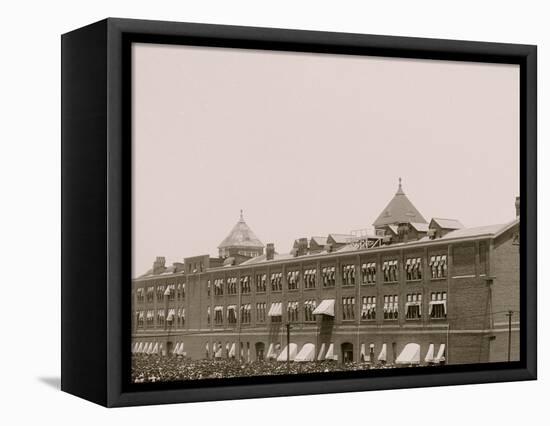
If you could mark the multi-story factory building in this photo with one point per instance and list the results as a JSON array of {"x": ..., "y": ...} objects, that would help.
[{"x": 409, "y": 292}]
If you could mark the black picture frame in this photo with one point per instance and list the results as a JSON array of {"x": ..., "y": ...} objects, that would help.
[{"x": 96, "y": 197}]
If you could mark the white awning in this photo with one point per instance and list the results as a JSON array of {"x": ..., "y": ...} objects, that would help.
[
  {"x": 175, "y": 350},
  {"x": 383, "y": 355},
  {"x": 409, "y": 355},
  {"x": 156, "y": 348},
  {"x": 171, "y": 314},
  {"x": 330, "y": 352},
  {"x": 440, "y": 354},
  {"x": 438, "y": 302},
  {"x": 363, "y": 354},
  {"x": 231, "y": 351},
  {"x": 326, "y": 307},
  {"x": 270, "y": 352},
  {"x": 218, "y": 353},
  {"x": 321, "y": 355},
  {"x": 167, "y": 291},
  {"x": 307, "y": 353},
  {"x": 276, "y": 310},
  {"x": 293, "y": 350},
  {"x": 180, "y": 349},
  {"x": 149, "y": 348},
  {"x": 430, "y": 355}
]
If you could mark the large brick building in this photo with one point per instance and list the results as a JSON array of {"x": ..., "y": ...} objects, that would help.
[{"x": 408, "y": 292}]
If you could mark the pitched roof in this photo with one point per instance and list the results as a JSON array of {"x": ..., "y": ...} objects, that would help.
[
  {"x": 341, "y": 238},
  {"x": 448, "y": 223},
  {"x": 241, "y": 236},
  {"x": 399, "y": 209},
  {"x": 420, "y": 227},
  {"x": 320, "y": 241}
]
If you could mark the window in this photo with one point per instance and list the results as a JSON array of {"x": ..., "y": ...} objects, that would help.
[
  {"x": 277, "y": 281},
  {"x": 390, "y": 271},
  {"x": 160, "y": 292},
  {"x": 293, "y": 279},
  {"x": 438, "y": 266},
  {"x": 218, "y": 315},
  {"x": 348, "y": 274},
  {"x": 260, "y": 312},
  {"x": 180, "y": 318},
  {"x": 413, "y": 268},
  {"x": 160, "y": 317},
  {"x": 414, "y": 306},
  {"x": 328, "y": 274},
  {"x": 438, "y": 305},
  {"x": 232, "y": 285},
  {"x": 292, "y": 311},
  {"x": 171, "y": 292},
  {"x": 309, "y": 307},
  {"x": 391, "y": 307},
  {"x": 368, "y": 273},
  {"x": 208, "y": 318},
  {"x": 140, "y": 295},
  {"x": 150, "y": 293},
  {"x": 310, "y": 277},
  {"x": 245, "y": 284},
  {"x": 261, "y": 280},
  {"x": 150, "y": 318},
  {"x": 246, "y": 313},
  {"x": 182, "y": 291},
  {"x": 348, "y": 308},
  {"x": 208, "y": 287},
  {"x": 368, "y": 308},
  {"x": 232, "y": 314},
  {"x": 218, "y": 287},
  {"x": 140, "y": 318}
]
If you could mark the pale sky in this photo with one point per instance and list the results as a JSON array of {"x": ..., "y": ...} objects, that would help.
[{"x": 311, "y": 144}]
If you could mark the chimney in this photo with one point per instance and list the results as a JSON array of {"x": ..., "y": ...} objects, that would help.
[
  {"x": 302, "y": 246},
  {"x": 269, "y": 251},
  {"x": 517, "y": 206},
  {"x": 159, "y": 265}
]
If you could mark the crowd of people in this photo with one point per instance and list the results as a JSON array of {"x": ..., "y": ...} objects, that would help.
[{"x": 154, "y": 368}]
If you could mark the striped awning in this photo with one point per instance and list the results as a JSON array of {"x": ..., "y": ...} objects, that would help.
[
  {"x": 307, "y": 353},
  {"x": 430, "y": 355},
  {"x": 292, "y": 348},
  {"x": 409, "y": 355},
  {"x": 382, "y": 356},
  {"x": 326, "y": 307},
  {"x": 276, "y": 310}
]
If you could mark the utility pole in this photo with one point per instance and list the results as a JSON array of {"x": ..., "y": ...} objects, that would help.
[
  {"x": 509, "y": 315},
  {"x": 288, "y": 346}
]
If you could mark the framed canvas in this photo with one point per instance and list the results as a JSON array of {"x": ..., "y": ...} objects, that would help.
[{"x": 256, "y": 212}]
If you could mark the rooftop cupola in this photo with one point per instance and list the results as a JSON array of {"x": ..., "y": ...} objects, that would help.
[
  {"x": 399, "y": 210},
  {"x": 241, "y": 241}
]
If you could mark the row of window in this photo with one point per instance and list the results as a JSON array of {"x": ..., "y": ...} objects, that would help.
[
  {"x": 171, "y": 291},
  {"x": 174, "y": 317},
  {"x": 390, "y": 306},
  {"x": 390, "y": 269}
]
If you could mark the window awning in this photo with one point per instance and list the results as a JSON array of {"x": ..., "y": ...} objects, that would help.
[
  {"x": 321, "y": 355},
  {"x": 231, "y": 351},
  {"x": 326, "y": 307},
  {"x": 156, "y": 348},
  {"x": 171, "y": 314},
  {"x": 276, "y": 310},
  {"x": 180, "y": 350},
  {"x": 382, "y": 356},
  {"x": 307, "y": 353},
  {"x": 409, "y": 355},
  {"x": 440, "y": 354},
  {"x": 430, "y": 355},
  {"x": 218, "y": 353},
  {"x": 270, "y": 352},
  {"x": 330, "y": 353},
  {"x": 363, "y": 354},
  {"x": 293, "y": 350},
  {"x": 167, "y": 291},
  {"x": 176, "y": 348},
  {"x": 438, "y": 302}
]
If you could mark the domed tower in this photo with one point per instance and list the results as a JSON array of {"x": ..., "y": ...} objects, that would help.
[
  {"x": 399, "y": 211},
  {"x": 241, "y": 241}
]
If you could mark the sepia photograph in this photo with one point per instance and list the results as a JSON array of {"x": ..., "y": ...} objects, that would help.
[{"x": 298, "y": 213}]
